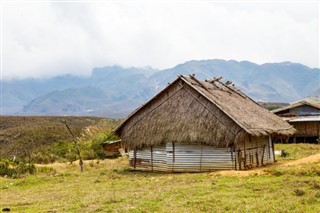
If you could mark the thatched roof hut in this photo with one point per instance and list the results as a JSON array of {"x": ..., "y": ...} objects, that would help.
[
  {"x": 190, "y": 111},
  {"x": 305, "y": 117},
  {"x": 299, "y": 108}
]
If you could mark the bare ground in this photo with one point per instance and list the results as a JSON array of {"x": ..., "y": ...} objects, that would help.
[
  {"x": 244, "y": 173},
  {"x": 261, "y": 170},
  {"x": 309, "y": 159}
]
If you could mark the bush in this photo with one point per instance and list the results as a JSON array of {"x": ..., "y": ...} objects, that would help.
[
  {"x": 44, "y": 157},
  {"x": 98, "y": 149},
  {"x": 284, "y": 153},
  {"x": 92, "y": 148},
  {"x": 15, "y": 169}
]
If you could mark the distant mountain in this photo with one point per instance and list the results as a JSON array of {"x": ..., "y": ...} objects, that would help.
[
  {"x": 315, "y": 93},
  {"x": 116, "y": 91}
]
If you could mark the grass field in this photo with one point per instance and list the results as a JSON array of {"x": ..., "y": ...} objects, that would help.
[{"x": 110, "y": 186}]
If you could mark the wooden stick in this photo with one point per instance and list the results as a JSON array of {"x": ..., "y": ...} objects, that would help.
[
  {"x": 76, "y": 146},
  {"x": 218, "y": 78},
  {"x": 196, "y": 80}
]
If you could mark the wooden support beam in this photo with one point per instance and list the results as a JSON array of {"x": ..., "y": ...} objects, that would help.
[
  {"x": 173, "y": 155},
  {"x": 239, "y": 158},
  {"x": 318, "y": 130},
  {"x": 233, "y": 90},
  {"x": 218, "y": 78},
  {"x": 134, "y": 157},
  {"x": 245, "y": 154},
  {"x": 199, "y": 82},
  {"x": 235, "y": 160},
  {"x": 305, "y": 132},
  {"x": 231, "y": 151},
  {"x": 264, "y": 146}
]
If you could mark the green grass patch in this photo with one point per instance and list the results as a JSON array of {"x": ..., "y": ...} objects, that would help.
[
  {"x": 110, "y": 186},
  {"x": 296, "y": 151}
]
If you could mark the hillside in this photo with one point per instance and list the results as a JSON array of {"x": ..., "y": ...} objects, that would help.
[
  {"x": 26, "y": 137},
  {"x": 116, "y": 91}
]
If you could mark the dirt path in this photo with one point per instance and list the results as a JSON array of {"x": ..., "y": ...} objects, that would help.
[
  {"x": 261, "y": 170},
  {"x": 309, "y": 159},
  {"x": 256, "y": 171}
]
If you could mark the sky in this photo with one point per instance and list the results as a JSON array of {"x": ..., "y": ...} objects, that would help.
[{"x": 47, "y": 38}]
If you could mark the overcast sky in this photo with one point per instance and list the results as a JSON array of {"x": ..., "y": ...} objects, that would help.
[{"x": 47, "y": 38}]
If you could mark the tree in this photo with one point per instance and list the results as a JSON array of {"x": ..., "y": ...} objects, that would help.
[{"x": 76, "y": 146}]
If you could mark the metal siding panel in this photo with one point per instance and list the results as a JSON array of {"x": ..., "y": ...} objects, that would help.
[
  {"x": 187, "y": 158},
  {"x": 160, "y": 158},
  {"x": 196, "y": 158}
]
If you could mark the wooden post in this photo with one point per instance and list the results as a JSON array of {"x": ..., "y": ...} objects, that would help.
[
  {"x": 173, "y": 152},
  {"x": 231, "y": 151},
  {"x": 257, "y": 158},
  {"x": 305, "y": 132},
  {"x": 245, "y": 154},
  {"x": 274, "y": 158},
  {"x": 318, "y": 130},
  {"x": 134, "y": 157},
  {"x": 239, "y": 158},
  {"x": 235, "y": 161},
  {"x": 173, "y": 155},
  {"x": 264, "y": 146}
]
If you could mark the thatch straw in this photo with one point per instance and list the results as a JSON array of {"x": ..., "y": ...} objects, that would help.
[{"x": 193, "y": 111}]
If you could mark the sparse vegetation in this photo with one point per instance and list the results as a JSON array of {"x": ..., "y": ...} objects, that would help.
[
  {"x": 15, "y": 169},
  {"x": 110, "y": 186},
  {"x": 296, "y": 151},
  {"x": 46, "y": 139}
]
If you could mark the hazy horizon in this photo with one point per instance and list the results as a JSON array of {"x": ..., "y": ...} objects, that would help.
[
  {"x": 88, "y": 74},
  {"x": 51, "y": 38}
]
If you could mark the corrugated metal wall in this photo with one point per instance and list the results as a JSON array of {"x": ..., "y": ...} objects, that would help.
[
  {"x": 154, "y": 158},
  {"x": 183, "y": 158},
  {"x": 159, "y": 158}
]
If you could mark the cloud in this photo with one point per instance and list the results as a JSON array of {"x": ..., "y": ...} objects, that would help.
[{"x": 51, "y": 38}]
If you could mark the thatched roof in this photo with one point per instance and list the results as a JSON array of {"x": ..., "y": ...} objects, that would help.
[
  {"x": 190, "y": 111},
  {"x": 298, "y": 104}
]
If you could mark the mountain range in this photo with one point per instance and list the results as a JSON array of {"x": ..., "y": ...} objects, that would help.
[{"x": 114, "y": 91}]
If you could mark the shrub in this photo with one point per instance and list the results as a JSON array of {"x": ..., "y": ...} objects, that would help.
[
  {"x": 44, "y": 157},
  {"x": 15, "y": 169},
  {"x": 284, "y": 153}
]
